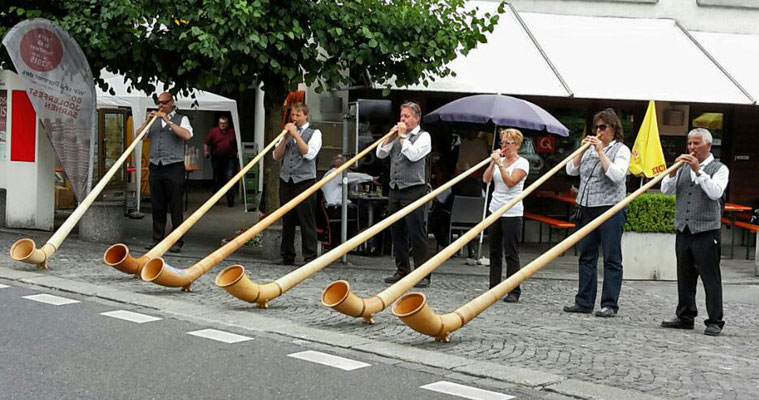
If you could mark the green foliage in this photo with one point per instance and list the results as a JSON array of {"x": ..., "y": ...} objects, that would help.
[
  {"x": 230, "y": 45},
  {"x": 651, "y": 213}
]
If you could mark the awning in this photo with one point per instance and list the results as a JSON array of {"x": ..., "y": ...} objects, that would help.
[
  {"x": 738, "y": 54},
  {"x": 509, "y": 63},
  {"x": 631, "y": 59},
  {"x": 605, "y": 58}
]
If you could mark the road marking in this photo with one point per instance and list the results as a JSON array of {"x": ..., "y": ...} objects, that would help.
[
  {"x": 329, "y": 360},
  {"x": 50, "y": 299},
  {"x": 466, "y": 392},
  {"x": 131, "y": 316},
  {"x": 220, "y": 336},
  {"x": 301, "y": 342},
  {"x": 3, "y": 286}
]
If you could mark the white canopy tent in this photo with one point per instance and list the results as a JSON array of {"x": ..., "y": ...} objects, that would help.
[
  {"x": 139, "y": 102},
  {"x": 737, "y": 53}
]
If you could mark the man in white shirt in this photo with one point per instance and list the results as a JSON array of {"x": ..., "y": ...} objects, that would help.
[
  {"x": 298, "y": 150},
  {"x": 407, "y": 147},
  {"x": 698, "y": 188},
  {"x": 333, "y": 190}
]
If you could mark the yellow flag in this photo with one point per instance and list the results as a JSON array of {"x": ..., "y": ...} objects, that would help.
[{"x": 647, "y": 155}]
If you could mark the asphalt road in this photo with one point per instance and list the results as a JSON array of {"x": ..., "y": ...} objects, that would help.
[{"x": 72, "y": 351}]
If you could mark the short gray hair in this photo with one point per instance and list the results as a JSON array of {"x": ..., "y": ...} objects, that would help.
[
  {"x": 704, "y": 133},
  {"x": 414, "y": 108}
]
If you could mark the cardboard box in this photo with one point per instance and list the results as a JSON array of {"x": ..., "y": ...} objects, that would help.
[{"x": 64, "y": 198}]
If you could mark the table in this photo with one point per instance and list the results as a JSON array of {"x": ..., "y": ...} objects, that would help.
[
  {"x": 564, "y": 197},
  {"x": 370, "y": 200},
  {"x": 731, "y": 209}
]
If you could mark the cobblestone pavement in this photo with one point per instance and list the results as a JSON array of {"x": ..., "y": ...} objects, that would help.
[{"x": 628, "y": 352}]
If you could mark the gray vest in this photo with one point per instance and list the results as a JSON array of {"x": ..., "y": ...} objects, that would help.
[
  {"x": 693, "y": 208},
  {"x": 595, "y": 188},
  {"x": 403, "y": 172},
  {"x": 165, "y": 146},
  {"x": 294, "y": 165}
]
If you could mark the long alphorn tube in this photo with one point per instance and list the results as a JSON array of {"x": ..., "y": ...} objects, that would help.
[
  {"x": 236, "y": 283},
  {"x": 25, "y": 250},
  {"x": 339, "y": 296},
  {"x": 117, "y": 256},
  {"x": 414, "y": 311},
  {"x": 157, "y": 271}
]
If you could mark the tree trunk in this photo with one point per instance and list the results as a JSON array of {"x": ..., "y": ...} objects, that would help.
[{"x": 272, "y": 128}]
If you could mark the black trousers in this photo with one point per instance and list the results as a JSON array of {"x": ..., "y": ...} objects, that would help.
[
  {"x": 408, "y": 229},
  {"x": 505, "y": 235},
  {"x": 304, "y": 214},
  {"x": 698, "y": 254},
  {"x": 223, "y": 170},
  {"x": 167, "y": 186}
]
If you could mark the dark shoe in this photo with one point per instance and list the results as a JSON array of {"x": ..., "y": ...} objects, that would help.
[
  {"x": 677, "y": 323},
  {"x": 230, "y": 205},
  {"x": 150, "y": 246},
  {"x": 285, "y": 261},
  {"x": 175, "y": 248},
  {"x": 423, "y": 283},
  {"x": 575, "y": 308},
  {"x": 511, "y": 298},
  {"x": 712, "y": 330},
  {"x": 395, "y": 278},
  {"x": 606, "y": 312}
]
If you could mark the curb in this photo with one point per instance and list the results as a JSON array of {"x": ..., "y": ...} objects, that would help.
[{"x": 250, "y": 321}]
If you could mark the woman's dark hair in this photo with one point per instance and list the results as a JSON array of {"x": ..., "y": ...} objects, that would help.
[{"x": 612, "y": 119}]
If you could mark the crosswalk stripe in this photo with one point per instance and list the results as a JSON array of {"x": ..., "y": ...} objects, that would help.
[
  {"x": 131, "y": 316},
  {"x": 329, "y": 360},
  {"x": 50, "y": 299},
  {"x": 466, "y": 392},
  {"x": 3, "y": 286},
  {"x": 220, "y": 336}
]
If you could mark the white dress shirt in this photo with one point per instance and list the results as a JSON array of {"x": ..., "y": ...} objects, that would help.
[
  {"x": 713, "y": 186},
  {"x": 617, "y": 171},
  {"x": 184, "y": 123},
  {"x": 333, "y": 191},
  {"x": 314, "y": 144},
  {"x": 413, "y": 151}
]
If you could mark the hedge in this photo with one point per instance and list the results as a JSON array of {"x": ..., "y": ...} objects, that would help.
[{"x": 651, "y": 212}]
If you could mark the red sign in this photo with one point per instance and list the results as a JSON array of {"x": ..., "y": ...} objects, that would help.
[
  {"x": 23, "y": 127},
  {"x": 546, "y": 144},
  {"x": 41, "y": 50}
]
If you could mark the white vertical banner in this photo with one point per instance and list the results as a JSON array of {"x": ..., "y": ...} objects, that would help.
[{"x": 62, "y": 91}]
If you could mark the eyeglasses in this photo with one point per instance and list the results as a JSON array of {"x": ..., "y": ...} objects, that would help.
[
  {"x": 601, "y": 127},
  {"x": 508, "y": 143},
  {"x": 164, "y": 102}
]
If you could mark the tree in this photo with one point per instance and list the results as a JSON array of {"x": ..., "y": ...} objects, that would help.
[{"x": 230, "y": 45}]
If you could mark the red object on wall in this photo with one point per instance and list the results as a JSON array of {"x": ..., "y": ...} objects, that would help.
[
  {"x": 23, "y": 128},
  {"x": 546, "y": 144}
]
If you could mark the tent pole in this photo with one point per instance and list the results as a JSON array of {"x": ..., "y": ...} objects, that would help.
[{"x": 487, "y": 191}]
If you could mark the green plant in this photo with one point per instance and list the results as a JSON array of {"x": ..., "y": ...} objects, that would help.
[{"x": 651, "y": 213}]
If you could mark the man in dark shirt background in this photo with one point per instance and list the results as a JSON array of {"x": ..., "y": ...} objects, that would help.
[{"x": 221, "y": 145}]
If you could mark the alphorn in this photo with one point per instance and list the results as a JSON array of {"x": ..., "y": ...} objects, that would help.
[
  {"x": 339, "y": 296},
  {"x": 25, "y": 250},
  {"x": 414, "y": 311},
  {"x": 117, "y": 256},
  {"x": 236, "y": 283},
  {"x": 157, "y": 271}
]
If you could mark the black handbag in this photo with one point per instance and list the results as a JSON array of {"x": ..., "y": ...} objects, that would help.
[{"x": 576, "y": 214}]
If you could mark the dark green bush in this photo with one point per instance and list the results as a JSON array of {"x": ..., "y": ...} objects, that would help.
[{"x": 651, "y": 213}]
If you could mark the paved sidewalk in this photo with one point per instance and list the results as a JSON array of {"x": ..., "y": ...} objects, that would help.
[{"x": 530, "y": 343}]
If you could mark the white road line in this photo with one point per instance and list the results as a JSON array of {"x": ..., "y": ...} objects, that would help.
[
  {"x": 466, "y": 392},
  {"x": 301, "y": 342},
  {"x": 131, "y": 316},
  {"x": 50, "y": 299},
  {"x": 3, "y": 286},
  {"x": 220, "y": 336},
  {"x": 329, "y": 360}
]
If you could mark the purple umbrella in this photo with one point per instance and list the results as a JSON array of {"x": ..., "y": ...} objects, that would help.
[{"x": 487, "y": 109}]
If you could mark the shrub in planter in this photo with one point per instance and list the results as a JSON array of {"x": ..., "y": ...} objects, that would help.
[{"x": 651, "y": 212}]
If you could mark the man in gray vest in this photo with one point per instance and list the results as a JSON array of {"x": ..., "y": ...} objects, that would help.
[
  {"x": 167, "y": 170},
  {"x": 698, "y": 187},
  {"x": 407, "y": 147},
  {"x": 298, "y": 150}
]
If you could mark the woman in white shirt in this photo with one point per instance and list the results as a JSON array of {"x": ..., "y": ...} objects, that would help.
[{"x": 508, "y": 171}]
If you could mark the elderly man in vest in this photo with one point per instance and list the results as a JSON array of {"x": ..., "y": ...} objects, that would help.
[
  {"x": 167, "y": 169},
  {"x": 298, "y": 150},
  {"x": 407, "y": 148},
  {"x": 698, "y": 188}
]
